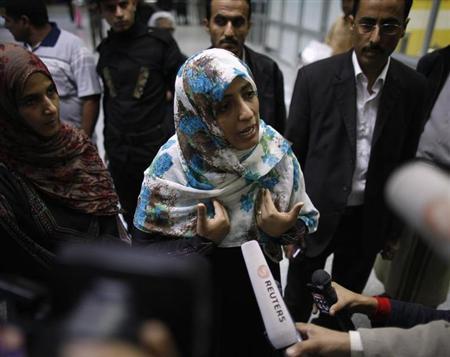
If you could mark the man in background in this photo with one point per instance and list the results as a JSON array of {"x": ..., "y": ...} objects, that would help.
[
  {"x": 354, "y": 118},
  {"x": 70, "y": 63},
  {"x": 228, "y": 23},
  {"x": 137, "y": 65}
]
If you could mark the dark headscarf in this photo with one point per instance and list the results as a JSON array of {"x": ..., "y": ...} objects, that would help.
[{"x": 65, "y": 167}]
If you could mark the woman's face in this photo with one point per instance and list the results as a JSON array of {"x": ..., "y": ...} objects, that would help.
[
  {"x": 238, "y": 115},
  {"x": 38, "y": 105}
]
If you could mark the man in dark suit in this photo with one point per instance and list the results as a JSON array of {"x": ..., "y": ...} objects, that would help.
[
  {"x": 353, "y": 119},
  {"x": 228, "y": 23},
  {"x": 434, "y": 143},
  {"x": 417, "y": 274}
]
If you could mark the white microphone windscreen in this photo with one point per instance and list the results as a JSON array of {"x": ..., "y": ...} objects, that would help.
[
  {"x": 280, "y": 327},
  {"x": 420, "y": 194}
]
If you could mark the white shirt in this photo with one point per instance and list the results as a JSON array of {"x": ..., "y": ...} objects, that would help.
[
  {"x": 72, "y": 67},
  {"x": 356, "y": 346},
  {"x": 366, "y": 116}
]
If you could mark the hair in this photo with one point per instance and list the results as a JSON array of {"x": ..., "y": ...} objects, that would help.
[
  {"x": 161, "y": 15},
  {"x": 408, "y": 4},
  {"x": 208, "y": 9},
  {"x": 35, "y": 10}
]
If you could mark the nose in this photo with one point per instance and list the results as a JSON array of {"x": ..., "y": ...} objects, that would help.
[
  {"x": 375, "y": 34},
  {"x": 245, "y": 112},
  {"x": 49, "y": 106},
  {"x": 118, "y": 12},
  {"x": 229, "y": 29}
]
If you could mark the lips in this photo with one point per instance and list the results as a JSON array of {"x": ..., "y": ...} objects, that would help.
[
  {"x": 373, "y": 51},
  {"x": 247, "y": 132}
]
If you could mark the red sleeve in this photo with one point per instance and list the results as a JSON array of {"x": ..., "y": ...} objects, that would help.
[{"x": 383, "y": 310}]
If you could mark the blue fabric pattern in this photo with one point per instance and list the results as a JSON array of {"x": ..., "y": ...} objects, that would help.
[{"x": 198, "y": 165}]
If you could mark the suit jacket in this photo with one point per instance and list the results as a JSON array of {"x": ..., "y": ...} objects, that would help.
[
  {"x": 436, "y": 67},
  {"x": 270, "y": 85},
  {"x": 407, "y": 314},
  {"x": 432, "y": 339},
  {"x": 322, "y": 128}
]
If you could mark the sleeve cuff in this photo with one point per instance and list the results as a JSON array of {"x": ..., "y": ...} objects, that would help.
[
  {"x": 356, "y": 347},
  {"x": 383, "y": 310}
]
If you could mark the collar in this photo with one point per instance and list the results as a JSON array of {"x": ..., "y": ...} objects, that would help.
[
  {"x": 359, "y": 72},
  {"x": 52, "y": 37}
]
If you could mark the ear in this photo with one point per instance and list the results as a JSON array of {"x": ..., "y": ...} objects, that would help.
[
  {"x": 205, "y": 23},
  {"x": 24, "y": 19},
  {"x": 351, "y": 20}
]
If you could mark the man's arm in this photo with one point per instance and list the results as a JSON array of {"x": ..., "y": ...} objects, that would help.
[
  {"x": 91, "y": 108},
  {"x": 432, "y": 339}
]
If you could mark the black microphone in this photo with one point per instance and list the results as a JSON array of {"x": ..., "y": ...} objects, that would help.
[{"x": 324, "y": 297}]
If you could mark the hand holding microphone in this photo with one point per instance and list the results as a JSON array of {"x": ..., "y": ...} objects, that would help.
[{"x": 325, "y": 298}]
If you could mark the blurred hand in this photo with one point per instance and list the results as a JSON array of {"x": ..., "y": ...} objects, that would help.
[
  {"x": 270, "y": 220},
  {"x": 319, "y": 341},
  {"x": 156, "y": 339},
  {"x": 214, "y": 229},
  {"x": 352, "y": 301}
]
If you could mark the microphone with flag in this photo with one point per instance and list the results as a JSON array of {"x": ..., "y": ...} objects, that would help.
[{"x": 280, "y": 327}]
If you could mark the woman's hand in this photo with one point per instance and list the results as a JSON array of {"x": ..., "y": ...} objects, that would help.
[
  {"x": 214, "y": 229},
  {"x": 270, "y": 220}
]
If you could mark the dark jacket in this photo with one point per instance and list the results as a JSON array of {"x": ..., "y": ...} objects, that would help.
[
  {"x": 322, "y": 128},
  {"x": 407, "y": 314},
  {"x": 436, "y": 67},
  {"x": 137, "y": 67},
  {"x": 270, "y": 85},
  {"x": 33, "y": 226}
]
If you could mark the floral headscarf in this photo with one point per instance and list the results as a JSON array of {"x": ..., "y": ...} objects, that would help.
[
  {"x": 198, "y": 164},
  {"x": 65, "y": 167}
]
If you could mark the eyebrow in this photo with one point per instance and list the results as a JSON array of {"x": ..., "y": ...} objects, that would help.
[
  {"x": 243, "y": 88},
  {"x": 386, "y": 20},
  {"x": 36, "y": 94},
  {"x": 238, "y": 17}
]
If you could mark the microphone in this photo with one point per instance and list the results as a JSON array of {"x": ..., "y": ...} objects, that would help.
[
  {"x": 324, "y": 297},
  {"x": 280, "y": 327},
  {"x": 420, "y": 194}
]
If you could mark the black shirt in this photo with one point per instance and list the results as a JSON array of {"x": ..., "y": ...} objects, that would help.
[{"x": 137, "y": 67}]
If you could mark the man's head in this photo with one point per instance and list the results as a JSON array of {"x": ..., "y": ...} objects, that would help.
[
  {"x": 228, "y": 23},
  {"x": 21, "y": 16},
  {"x": 119, "y": 14},
  {"x": 377, "y": 26},
  {"x": 163, "y": 20}
]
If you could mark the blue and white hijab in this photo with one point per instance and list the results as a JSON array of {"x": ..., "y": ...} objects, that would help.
[{"x": 197, "y": 164}]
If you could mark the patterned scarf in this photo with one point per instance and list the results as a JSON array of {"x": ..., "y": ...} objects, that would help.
[
  {"x": 65, "y": 167},
  {"x": 197, "y": 164}
]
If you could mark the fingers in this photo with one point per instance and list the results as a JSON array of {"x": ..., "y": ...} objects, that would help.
[
  {"x": 294, "y": 212},
  {"x": 201, "y": 218},
  {"x": 220, "y": 210},
  {"x": 301, "y": 348},
  {"x": 267, "y": 203}
]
